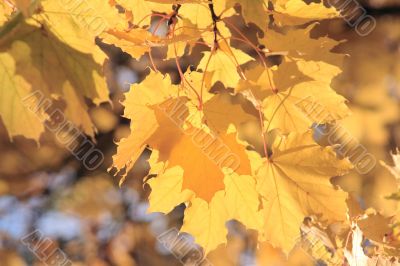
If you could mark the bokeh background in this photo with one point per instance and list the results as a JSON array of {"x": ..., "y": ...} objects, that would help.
[{"x": 96, "y": 222}]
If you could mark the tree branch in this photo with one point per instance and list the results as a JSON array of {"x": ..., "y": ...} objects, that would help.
[
  {"x": 174, "y": 14},
  {"x": 215, "y": 19}
]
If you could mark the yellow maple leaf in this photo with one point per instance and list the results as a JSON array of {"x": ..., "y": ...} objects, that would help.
[
  {"x": 200, "y": 180},
  {"x": 219, "y": 119},
  {"x": 14, "y": 89},
  {"x": 145, "y": 101},
  {"x": 133, "y": 42},
  {"x": 166, "y": 189},
  {"x": 205, "y": 219},
  {"x": 292, "y": 101},
  {"x": 314, "y": 57},
  {"x": 295, "y": 182},
  {"x": 296, "y": 12},
  {"x": 253, "y": 11},
  {"x": 299, "y": 107},
  {"x": 209, "y": 155},
  {"x": 138, "y": 41},
  {"x": 185, "y": 34},
  {"x": 33, "y": 46},
  {"x": 218, "y": 173},
  {"x": 223, "y": 64},
  {"x": 154, "y": 90},
  {"x": 72, "y": 23},
  {"x": 197, "y": 13},
  {"x": 196, "y": 86},
  {"x": 242, "y": 201}
]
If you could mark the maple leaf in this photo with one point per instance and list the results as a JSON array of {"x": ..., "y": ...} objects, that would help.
[
  {"x": 166, "y": 189},
  {"x": 135, "y": 43},
  {"x": 209, "y": 155},
  {"x": 292, "y": 101},
  {"x": 71, "y": 23},
  {"x": 296, "y": 12},
  {"x": 242, "y": 201},
  {"x": 253, "y": 11},
  {"x": 295, "y": 182},
  {"x": 200, "y": 181},
  {"x": 144, "y": 101},
  {"x": 237, "y": 200},
  {"x": 182, "y": 32},
  {"x": 185, "y": 34},
  {"x": 198, "y": 14},
  {"x": 211, "y": 230},
  {"x": 195, "y": 86},
  {"x": 53, "y": 37},
  {"x": 375, "y": 226},
  {"x": 314, "y": 57},
  {"x": 175, "y": 130},
  {"x": 154, "y": 90},
  {"x": 299, "y": 107},
  {"x": 138, "y": 41},
  {"x": 219, "y": 119},
  {"x": 14, "y": 89},
  {"x": 223, "y": 63},
  {"x": 79, "y": 75}
]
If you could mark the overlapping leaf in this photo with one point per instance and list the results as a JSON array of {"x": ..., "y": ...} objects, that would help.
[
  {"x": 45, "y": 41},
  {"x": 192, "y": 123},
  {"x": 295, "y": 182}
]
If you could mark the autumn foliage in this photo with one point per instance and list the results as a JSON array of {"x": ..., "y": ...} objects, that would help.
[{"x": 243, "y": 126}]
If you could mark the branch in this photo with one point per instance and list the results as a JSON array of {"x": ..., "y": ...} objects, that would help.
[
  {"x": 172, "y": 17},
  {"x": 215, "y": 19}
]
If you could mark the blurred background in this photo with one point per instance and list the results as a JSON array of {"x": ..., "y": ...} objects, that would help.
[{"x": 95, "y": 222}]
